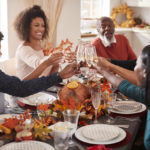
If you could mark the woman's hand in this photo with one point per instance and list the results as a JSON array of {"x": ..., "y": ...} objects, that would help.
[
  {"x": 55, "y": 58},
  {"x": 110, "y": 76},
  {"x": 104, "y": 63},
  {"x": 70, "y": 57},
  {"x": 68, "y": 71}
]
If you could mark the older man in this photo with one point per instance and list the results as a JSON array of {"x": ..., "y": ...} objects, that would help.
[{"x": 109, "y": 45}]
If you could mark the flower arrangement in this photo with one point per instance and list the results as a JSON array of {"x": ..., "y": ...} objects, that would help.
[{"x": 23, "y": 127}]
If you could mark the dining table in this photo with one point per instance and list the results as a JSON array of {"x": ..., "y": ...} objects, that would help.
[{"x": 129, "y": 123}]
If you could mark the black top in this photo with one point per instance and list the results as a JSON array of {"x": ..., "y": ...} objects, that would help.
[
  {"x": 16, "y": 87},
  {"x": 128, "y": 64}
]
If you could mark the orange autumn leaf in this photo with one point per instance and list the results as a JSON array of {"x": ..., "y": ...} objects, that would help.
[
  {"x": 68, "y": 42},
  {"x": 11, "y": 122},
  {"x": 64, "y": 45},
  {"x": 62, "y": 42},
  {"x": 58, "y": 107},
  {"x": 72, "y": 103},
  {"x": 64, "y": 102},
  {"x": 68, "y": 104},
  {"x": 80, "y": 106},
  {"x": 43, "y": 107}
]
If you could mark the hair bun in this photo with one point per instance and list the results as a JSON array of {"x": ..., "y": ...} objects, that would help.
[{"x": 36, "y": 7}]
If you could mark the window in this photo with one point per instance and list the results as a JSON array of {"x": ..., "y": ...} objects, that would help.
[
  {"x": 91, "y": 8},
  {"x": 90, "y": 11}
]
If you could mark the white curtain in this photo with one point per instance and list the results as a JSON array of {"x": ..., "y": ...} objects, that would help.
[{"x": 52, "y": 9}]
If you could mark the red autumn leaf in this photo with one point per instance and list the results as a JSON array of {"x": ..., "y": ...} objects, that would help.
[{"x": 83, "y": 123}]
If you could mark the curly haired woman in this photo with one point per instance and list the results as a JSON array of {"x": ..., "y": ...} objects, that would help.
[{"x": 31, "y": 26}]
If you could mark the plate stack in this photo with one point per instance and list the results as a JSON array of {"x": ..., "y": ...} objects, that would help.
[{"x": 100, "y": 134}]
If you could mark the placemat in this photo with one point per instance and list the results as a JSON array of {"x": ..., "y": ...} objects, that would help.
[{"x": 122, "y": 143}]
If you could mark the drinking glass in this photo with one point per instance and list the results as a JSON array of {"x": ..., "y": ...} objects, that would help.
[
  {"x": 86, "y": 53},
  {"x": 110, "y": 102},
  {"x": 90, "y": 54},
  {"x": 96, "y": 99},
  {"x": 80, "y": 56},
  {"x": 71, "y": 116},
  {"x": 61, "y": 136}
]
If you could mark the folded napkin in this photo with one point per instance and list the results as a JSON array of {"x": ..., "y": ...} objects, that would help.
[{"x": 98, "y": 147}]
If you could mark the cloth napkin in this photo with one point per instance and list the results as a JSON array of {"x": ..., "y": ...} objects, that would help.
[
  {"x": 98, "y": 147},
  {"x": 26, "y": 106}
]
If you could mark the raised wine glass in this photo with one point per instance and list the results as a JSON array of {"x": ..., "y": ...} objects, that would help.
[
  {"x": 80, "y": 58},
  {"x": 90, "y": 56}
]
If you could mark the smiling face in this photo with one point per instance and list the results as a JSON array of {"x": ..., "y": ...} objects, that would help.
[
  {"x": 140, "y": 72},
  {"x": 105, "y": 27},
  {"x": 37, "y": 28}
]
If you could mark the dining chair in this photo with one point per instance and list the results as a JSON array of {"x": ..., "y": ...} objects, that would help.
[{"x": 9, "y": 67}]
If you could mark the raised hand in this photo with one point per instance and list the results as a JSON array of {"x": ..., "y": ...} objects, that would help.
[
  {"x": 69, "y": 71},
  {"x": 70, "y": 57},
  {"x": 104, "y": 63},
  {"x": 55, "y": 58}
]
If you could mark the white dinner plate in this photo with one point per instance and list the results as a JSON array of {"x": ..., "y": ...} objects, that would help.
[
  {"x": 37, "y": 99},
  {"x": 143, "y": 108},
  {"x": 120, "y": 137},
  {"x": 127, "y": 106},
  {"x": 100, "y": 132},
  {"x": 27, "y": 145}
]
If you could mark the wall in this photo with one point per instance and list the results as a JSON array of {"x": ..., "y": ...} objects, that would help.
[
  {"x": 137, "y": 38},
  {"x": 69, "y": 22},
  {"x": 142, "y": 12},
  {"x": 68, "y": 25},
  {"x": 14, "y": 8}
]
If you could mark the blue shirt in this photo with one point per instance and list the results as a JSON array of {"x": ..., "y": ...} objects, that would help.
[
  {"x": 16, "y": 87},
  {"x": 137, "y": 94}
]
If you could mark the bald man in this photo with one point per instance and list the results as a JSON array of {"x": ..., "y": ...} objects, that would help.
[{"x": 110, "y": 45}]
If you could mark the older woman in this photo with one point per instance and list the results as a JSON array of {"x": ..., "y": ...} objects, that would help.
[{"x": 141, "y": 93}]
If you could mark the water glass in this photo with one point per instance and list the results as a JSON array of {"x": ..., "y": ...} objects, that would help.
[
  {"x": 61, "y": 137},
  {"x": 71, "y": 116},
  {"x": 110, "y": 101}
]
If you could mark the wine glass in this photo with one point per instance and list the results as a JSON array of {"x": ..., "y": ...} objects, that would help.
[
  {"x": 96, "y": 99},
  {"x": 80, "y": 56},
  {"x": 90, "y": 56},
  {"x": 71, "y": 116}
]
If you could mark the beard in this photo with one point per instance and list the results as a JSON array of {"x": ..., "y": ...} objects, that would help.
[{"x": 108, "y": 41}]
